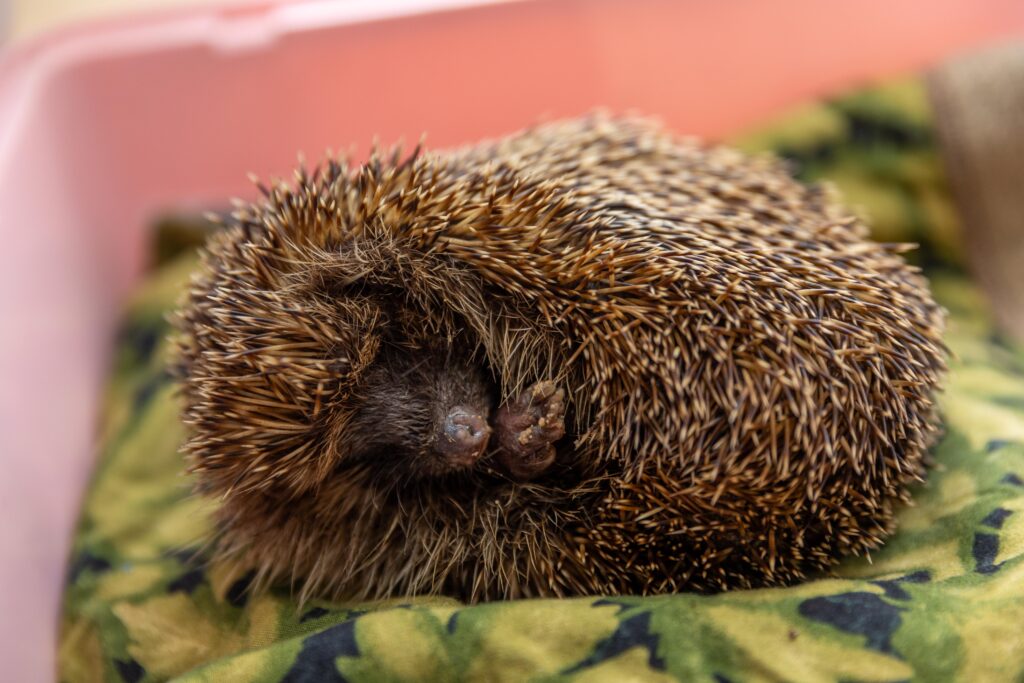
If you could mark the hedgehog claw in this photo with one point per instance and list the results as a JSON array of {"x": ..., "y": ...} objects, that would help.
[{"x": 527, "y": 428}]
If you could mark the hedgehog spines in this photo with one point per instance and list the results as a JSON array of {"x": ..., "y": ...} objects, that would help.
[{"x": 748, "y": 383}]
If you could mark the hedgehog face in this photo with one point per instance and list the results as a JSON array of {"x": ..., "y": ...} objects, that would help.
[{"x": 420, "y": 412}]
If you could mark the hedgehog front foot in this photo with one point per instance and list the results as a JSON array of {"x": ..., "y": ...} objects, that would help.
[{"x": 527, "y": 429}]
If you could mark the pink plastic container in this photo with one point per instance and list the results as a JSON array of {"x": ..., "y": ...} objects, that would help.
[{"x": 104, "y": 126}]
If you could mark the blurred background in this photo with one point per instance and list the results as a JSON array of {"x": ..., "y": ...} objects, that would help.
[
  {"x": 111, "y": 111},
  {"x": 23, "y": 19}
]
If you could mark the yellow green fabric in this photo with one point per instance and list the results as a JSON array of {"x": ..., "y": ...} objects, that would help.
[{"x": 942, "y": 600}]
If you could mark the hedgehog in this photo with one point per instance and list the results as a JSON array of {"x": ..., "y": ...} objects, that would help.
[{"x": 591, "y": 358}]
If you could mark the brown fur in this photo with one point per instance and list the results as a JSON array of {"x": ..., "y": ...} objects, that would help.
[{"x": 747, "y": 380}]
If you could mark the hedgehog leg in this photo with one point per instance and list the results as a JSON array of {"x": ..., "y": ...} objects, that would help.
[{"x": 527, "y": 429}]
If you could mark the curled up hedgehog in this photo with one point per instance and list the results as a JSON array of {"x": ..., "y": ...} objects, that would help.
[{"x": 589, "y": 358}]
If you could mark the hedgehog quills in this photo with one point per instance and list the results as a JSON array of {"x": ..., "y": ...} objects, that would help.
[{"x": 586, "y": 359}]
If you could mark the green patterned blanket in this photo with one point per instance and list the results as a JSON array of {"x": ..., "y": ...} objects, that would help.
[{"x": 942, "y": 600}]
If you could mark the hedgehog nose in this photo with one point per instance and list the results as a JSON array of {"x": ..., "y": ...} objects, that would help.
[{"x": 463, "y": 437}]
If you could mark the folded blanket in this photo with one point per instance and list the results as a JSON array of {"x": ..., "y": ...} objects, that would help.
[{"x": 942, "y": 599}]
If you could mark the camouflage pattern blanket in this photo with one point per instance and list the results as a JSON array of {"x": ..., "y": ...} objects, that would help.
[{"x": 943, "y": 600}]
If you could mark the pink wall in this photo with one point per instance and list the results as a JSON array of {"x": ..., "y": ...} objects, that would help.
[{"x": 101, "y": 127}]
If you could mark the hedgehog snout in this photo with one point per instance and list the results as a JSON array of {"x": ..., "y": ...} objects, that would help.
[{"x": 463, "y": 438}]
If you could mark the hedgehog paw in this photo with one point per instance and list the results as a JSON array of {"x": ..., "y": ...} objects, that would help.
[{"x": 527, "y": 429}]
